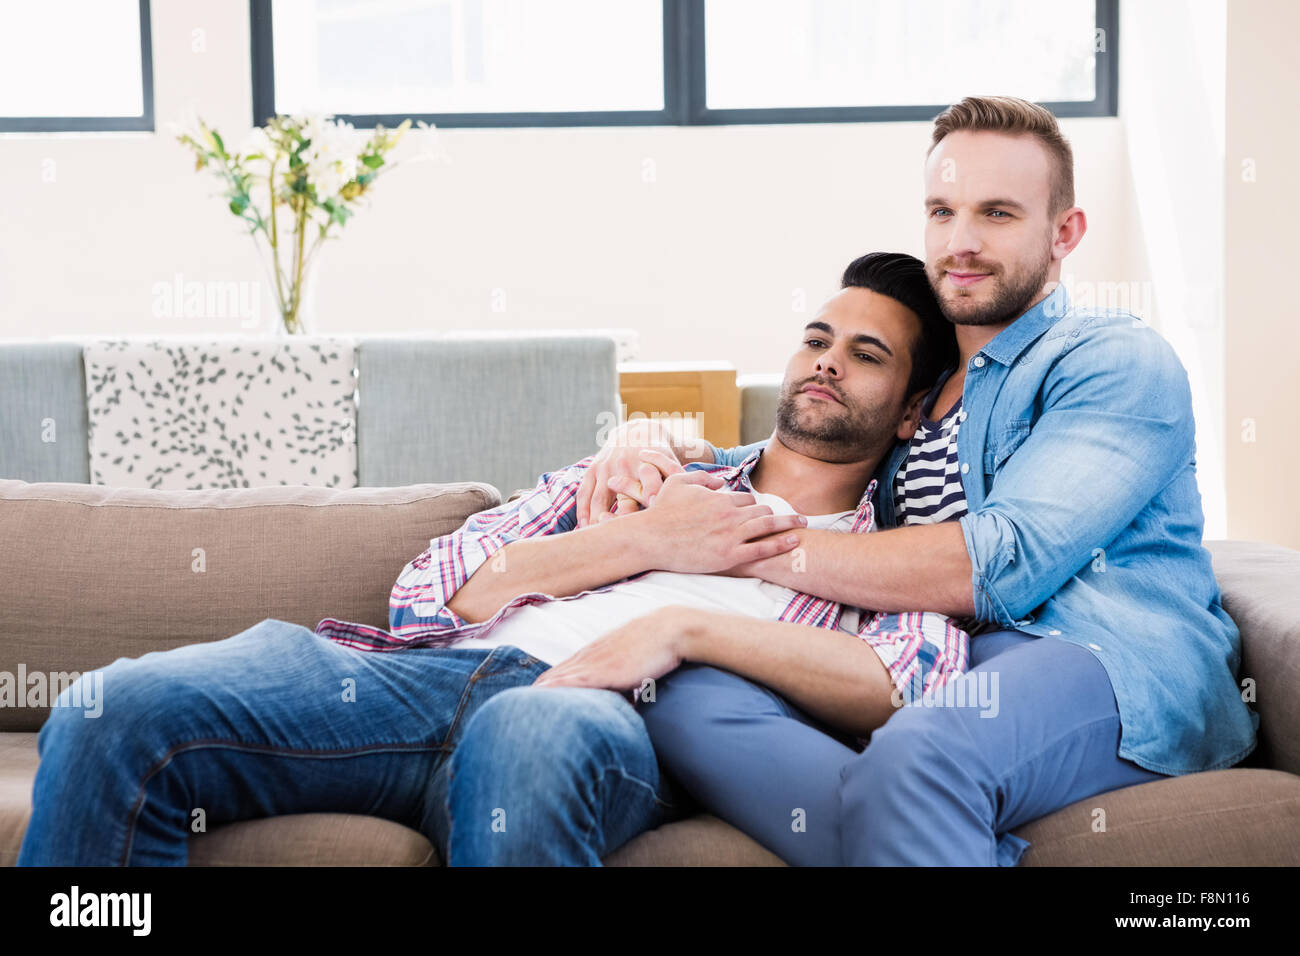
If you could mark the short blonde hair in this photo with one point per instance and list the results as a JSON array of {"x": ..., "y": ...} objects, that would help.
[{"x": 1008, "y": 114}]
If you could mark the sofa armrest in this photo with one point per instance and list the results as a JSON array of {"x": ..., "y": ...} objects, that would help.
[{"x": 1261, "y": 593}]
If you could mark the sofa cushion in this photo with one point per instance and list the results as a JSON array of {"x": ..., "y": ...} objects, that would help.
[
  {"x": 43, "y": 422},
  {"x": 696, "y": 841},
  {"x": 312, "y": 839},
  {"x": 502, "y": 411},
  {"x": 89, "y": 574},
  {"x": 1258, "y": 582},
  {"x": 1220, "y": 818},
  {"x": 17, "y": 772}
]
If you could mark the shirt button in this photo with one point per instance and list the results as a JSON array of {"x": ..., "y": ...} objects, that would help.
[
  {"x": 979, "y": 361},
  {"x": 1054, "y": 632},
  {"x": 964, "y": 468},
  {"x": 1095, "y": 647},
  {"x": 961, "y": 417}
]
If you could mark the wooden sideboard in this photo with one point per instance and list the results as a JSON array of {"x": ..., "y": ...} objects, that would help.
[{"x": 697, "y": 399}]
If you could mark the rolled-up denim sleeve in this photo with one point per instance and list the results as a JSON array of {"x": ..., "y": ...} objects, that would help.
[
  {"x": 731, "y": 457},
  {"x": 1117, "y": 427}
]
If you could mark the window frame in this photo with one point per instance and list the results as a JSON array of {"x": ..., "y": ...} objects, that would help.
[
  {"x": 96, "y": 124},
  {"x": 684, "y": 87}
]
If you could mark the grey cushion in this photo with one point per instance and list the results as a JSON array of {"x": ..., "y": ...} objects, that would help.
[
  {"x": 759, "y": 395},
  {"x": 43, "y": 394},
  {"x": 501, "y": 412}
]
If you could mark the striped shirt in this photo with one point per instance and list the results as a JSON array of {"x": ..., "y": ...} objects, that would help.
[
  {"x": 921, "y": 649},
  {"x": 928, "y": 488}
]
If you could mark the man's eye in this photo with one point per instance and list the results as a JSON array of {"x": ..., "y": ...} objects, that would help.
[
  {"x": 940, "y": 212},
  {"x": 999, "y": 212},
  {"x": 868, "y": 357},
  {"x": 814, "y": 342}
]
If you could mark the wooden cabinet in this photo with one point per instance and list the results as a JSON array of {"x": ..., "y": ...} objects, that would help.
[{"x": 698, "y": 399}]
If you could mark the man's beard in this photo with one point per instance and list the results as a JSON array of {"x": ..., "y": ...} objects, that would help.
[
  {"x": 1012, "y": 297},
  {"x": 840, "y": 437}
]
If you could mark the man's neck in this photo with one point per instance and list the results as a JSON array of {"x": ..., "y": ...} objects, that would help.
[
  {"x": 811, "y": 486},
  {"x": 972, "y": 338}
]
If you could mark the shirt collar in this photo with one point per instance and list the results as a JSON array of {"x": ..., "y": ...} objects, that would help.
[
  {"x": 864, "y": 514},
  {"x": 1008, "y": 344}
]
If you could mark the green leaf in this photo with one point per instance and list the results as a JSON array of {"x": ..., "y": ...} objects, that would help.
[
  {"x": 374, "y": 162},
  {"x": 220, "y": 145}
]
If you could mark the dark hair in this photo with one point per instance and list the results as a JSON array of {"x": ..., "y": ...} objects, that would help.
[{"x": 902, "y": 278}]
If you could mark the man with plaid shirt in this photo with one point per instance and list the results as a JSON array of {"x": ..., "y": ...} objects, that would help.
[{"x": 446, "y": 732}]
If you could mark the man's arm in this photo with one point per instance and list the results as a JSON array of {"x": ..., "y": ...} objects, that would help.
[
  {"x": 902, "y": 569},
  {"x": 558, "y": 565},
  {"x": 837, "y": 677},
  {"x": 830, "y": 674},
  {"x": 696, "y": 527},
  {"x": 1117, "y": 428}
]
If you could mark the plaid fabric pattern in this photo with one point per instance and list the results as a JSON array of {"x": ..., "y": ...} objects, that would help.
[{"x": 921, "y": 649}]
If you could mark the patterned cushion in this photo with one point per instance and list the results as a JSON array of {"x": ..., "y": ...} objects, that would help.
[{"x": 238, "y": 413}]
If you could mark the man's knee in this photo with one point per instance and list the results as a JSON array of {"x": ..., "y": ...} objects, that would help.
[
  {"x": 918, "y": 748},
  {"x": 542, "y": 733}
]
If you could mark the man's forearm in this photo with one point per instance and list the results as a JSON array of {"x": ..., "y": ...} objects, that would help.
[
  {"x": 913, "y": 568},
  {"x": 559, "y": 565},
  {"x": 832, "y": 675}
]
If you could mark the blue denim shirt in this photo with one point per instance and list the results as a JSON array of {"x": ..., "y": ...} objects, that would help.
[{"x": 1078, "y": 459}]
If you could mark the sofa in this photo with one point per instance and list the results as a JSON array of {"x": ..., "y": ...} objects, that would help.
[
  {"x": 84, "y": 570},
  {"x": 89, "y": 574}
]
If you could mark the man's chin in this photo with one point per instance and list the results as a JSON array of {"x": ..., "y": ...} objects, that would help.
[{"x": 965, "y": 308}]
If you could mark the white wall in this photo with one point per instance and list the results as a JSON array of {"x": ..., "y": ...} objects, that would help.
[
  {"x": 1172, "y": 77},
  {"x": 1262, "y": 327},
  {"x": 702, "y": 239}
]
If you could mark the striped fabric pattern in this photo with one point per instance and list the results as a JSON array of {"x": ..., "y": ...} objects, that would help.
[
  {"x": 920, "y": 649},
  {"x": 928, "y": 488}
]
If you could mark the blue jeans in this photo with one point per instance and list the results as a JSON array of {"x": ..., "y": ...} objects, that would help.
[
  {"x": 452, "y": 742},
  {"x": 934, "y": 786}
]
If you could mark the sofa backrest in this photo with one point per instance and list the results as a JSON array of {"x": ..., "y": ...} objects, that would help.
[
  {"x": 429, "y": 409},
  {"x": 89, "y": 574}
]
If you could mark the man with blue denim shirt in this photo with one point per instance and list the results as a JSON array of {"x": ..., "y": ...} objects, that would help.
[{"x": 1080, "y": 539}]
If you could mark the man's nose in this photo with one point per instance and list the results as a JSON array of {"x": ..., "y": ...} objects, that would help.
[
  {"x": 830, "y": 363},
  {"x": 963, "y": 237}
]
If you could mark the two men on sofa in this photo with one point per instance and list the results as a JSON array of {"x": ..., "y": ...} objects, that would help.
[{"x": 922, "y": 526}]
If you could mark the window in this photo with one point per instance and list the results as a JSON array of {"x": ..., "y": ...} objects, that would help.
[
  {"x": 649, "y": 62},
  {"x": 76, "y": 65}
]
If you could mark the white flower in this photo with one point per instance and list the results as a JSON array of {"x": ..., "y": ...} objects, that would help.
[
  {"x": 258, "y": 142},
  {"x": 331, "y": 155}
]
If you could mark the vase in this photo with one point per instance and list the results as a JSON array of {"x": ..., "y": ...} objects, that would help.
[{"x": 301, "y": 321}]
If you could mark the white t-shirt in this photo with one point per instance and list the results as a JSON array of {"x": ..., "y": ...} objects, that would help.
[{"x": 555, "y": 630}]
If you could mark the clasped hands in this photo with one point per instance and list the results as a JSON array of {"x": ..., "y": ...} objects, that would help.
[{"x": 688, "y": 521}]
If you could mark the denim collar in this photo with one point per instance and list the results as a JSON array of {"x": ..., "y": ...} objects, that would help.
[{"x": 1008, "y": 344}]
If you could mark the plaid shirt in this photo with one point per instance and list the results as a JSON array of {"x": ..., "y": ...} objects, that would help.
[{"x": 921, "y": 648}]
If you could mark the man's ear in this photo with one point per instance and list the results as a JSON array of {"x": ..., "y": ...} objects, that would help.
[{"x": 911, "y": 419}]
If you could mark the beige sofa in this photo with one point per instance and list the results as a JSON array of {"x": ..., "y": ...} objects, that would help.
[{"x": 89, "y": 574}]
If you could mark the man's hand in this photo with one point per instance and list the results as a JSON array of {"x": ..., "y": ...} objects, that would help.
[
  {"x": 645, "y": 648},
  {"x": 642, "y": 453},
  {"x": 696, "y": 529}
]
